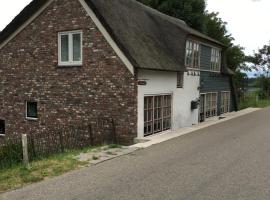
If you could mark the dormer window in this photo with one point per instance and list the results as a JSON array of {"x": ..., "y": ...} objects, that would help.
[
  {"x": 215, "y": 60},
  {"x": 192, "y": 54}
]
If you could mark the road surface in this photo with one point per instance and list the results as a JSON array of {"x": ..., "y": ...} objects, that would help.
[{"x": 227, "y": 161}]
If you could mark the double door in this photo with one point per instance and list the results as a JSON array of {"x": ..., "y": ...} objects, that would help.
[{"x": 157, "y": 114}]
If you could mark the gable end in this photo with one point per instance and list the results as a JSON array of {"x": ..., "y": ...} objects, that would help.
[
  {"x": 107, "y": 36},
  {"x": 16, "y": 22}
]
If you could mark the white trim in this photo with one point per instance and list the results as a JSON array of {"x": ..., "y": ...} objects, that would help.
[
  {"x": 214, "y": 57},
  {"x": 229, "y": 103},
  {"x": 172, "y": 100},
  {"x": 21, "y": 28},
  {"x": 159, "y": 94},
  {"x": 200, "y": 51},
  {"x": 31, "y": 118},
  {"x": 107, "y": 36},
  {"x": 203, "y": 70},
  {"x": 70, "y": 47},
  {"x": 204, "y": 43},
  {"x": 205, "y": 103},
  {"x": 193, "y": 43},
  {"x": 2, "y": 135}
]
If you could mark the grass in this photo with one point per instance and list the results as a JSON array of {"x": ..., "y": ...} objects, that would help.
[
  {"x": 252, "y": 101},
  {"x": 18, "y": 176},
  {"x": 114, "y": 146},
  {"x": 95, "y": 157}
]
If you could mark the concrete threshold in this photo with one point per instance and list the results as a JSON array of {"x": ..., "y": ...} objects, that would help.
[{"x": 168, "y": 135}]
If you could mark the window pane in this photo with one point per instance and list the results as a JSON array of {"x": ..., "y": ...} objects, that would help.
[
  {"x": 32, "y": 109},
  {"x": 180, "y": 79},
  {"x": 76, "y": 47},
  {"x": 2, "y": 127},
  {"x": 64, "y": 48}
]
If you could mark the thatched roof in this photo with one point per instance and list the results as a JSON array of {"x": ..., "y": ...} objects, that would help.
[{"x": 150, "y": 39}]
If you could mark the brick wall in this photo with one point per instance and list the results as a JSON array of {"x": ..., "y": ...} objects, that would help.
[{"x": 102, "y": 87}]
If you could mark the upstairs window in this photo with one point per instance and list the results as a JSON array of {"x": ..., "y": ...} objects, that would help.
[
  {"x": 31, "y": 110},
  {"x": 180, "y": 79},
  {"x": 192, "y": 55},
  {"x": 215, "y": 60},
  {"x": 70, "y": 48}
]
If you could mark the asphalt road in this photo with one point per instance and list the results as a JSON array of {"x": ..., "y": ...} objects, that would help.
[{"x": 228, "y": 161}]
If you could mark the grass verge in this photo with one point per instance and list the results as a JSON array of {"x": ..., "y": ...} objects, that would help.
[
  {"x": 252, "y": 101},
  {"x": 18, "y": 176}
]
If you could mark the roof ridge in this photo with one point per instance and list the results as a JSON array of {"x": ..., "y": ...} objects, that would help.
[
  {"x": 179, "y": 22},
  {"x": 157, "y": 12}
]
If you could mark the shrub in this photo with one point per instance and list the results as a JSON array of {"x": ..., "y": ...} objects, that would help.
[{"x": 10, "y": 153}]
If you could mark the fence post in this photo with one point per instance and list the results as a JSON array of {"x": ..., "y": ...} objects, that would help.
[
  {"x": 90, "y": 130},
  {"x": 61, "y": 142},
  {"x": 25, "y": 151},
  {"x": 257, "y": 98},
  {"x": 115, "y": 140}
]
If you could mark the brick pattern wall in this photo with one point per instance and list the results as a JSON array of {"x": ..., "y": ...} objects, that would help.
[{"x": 102, "y": 87}]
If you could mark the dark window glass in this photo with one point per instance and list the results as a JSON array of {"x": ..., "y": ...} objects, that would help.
[
  {"x": 32, "y": 110},
  {"x": 64, "y": 48},
  {"x": 180, "y": 79},
  {"x": 77, "y": 47},
  {"x": 2, "y": 127}
]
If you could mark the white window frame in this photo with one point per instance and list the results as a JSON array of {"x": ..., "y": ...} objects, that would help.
[
  {"x": 153, "y": 118},
  {"x": 3, "y": 135},
  {"x": 194, "y": 49},
  {"x": 70, "y": 46},
  {"x": 211, "y": 107},
  {"x": 215, "y": 60},
  {"x": 180, "y": 80},
  {"x": 225, "y": 108},
  {"x": 26, "y": 111}
]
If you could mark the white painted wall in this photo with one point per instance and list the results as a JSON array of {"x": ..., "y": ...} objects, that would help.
[{"x": 160, "y": 82}]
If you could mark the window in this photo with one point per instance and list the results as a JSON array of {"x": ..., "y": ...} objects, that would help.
[
  {"x": 31, "y": 110},
  {"x": 210, "y": 105},
  {"x": 215, "y": 59},
  {"x": 70, "y": 48},
  {"x": 2, "y": 127},
  {"x": 225, "y": 102},
  {"x": 180, "y": 79},
  {"x": 157, "y": 114},
  {"x": 192, "y": 55}
]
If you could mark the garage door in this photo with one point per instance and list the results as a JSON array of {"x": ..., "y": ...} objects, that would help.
[{"x": 157, "y": 114}]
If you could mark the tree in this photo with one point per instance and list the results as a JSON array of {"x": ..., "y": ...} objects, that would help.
[
  {"x": 260, "y": 61},
  {"x": 263, "y": 82},
  {"x": 191, "y": 11},
  {"x": 241, "y": 82}
]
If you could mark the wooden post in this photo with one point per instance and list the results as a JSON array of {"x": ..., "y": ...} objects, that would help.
[
  {"x": 90, "y": 130},
  {"x": 257, "y": 98},
  {"x": 25, "y": 151}
]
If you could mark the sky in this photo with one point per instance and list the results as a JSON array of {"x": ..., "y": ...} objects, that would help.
[{"x": 248, "y": 20}]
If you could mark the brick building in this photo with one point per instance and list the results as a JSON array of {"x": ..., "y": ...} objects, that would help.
[{"x": 65, "y": 62}]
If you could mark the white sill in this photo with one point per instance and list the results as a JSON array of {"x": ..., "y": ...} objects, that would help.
[
  {"x": 32, "y": 119},
  {"x": 70, "y": 64},
  {"x": 2, "y": 135},
  {"x": 202, "y": 70}
]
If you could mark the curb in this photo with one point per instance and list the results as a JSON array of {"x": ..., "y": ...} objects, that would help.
[{"x": 163, "y": 137}]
